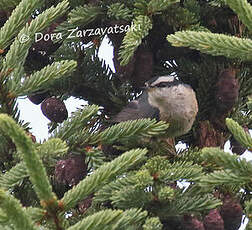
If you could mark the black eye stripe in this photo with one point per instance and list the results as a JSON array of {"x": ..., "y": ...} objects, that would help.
[
  {"x": 162, "y": 84},
  {"x": 168, "y": 84}
]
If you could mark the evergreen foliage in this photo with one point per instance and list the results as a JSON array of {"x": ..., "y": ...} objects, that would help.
[
  {"x": 92, "y": 173},
  {"x": 214, "y": 44}
]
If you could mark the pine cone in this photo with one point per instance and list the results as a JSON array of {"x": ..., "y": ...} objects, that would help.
[
  {"x": 143, "y": 67},
  {"x": 192, "y": 223},
  {"x": 37, "y": 98},
  {"x": 138, "y": 70},
  {"x": 227, "y": 91},
  {"x": 54, "y": 109},
  {"x": 231, "y": 212},
  {"x": 213, "y": 221},
  {"x": 71, "y": 170}
]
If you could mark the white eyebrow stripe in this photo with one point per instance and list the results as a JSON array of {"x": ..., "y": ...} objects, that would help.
[{"x": 163, "y": 79}]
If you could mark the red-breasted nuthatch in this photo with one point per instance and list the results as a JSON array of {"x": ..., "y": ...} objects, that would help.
[{"x": 165, "y": 98}]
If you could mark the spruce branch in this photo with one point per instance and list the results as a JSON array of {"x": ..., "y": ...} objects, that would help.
[
  {"x": 180, "y": 171},
  {"x": 153, "y": 223},
  {"x": 83, "y": 15},
  {"x": 41, "y": 79},
  {"x": 227, "y": 161},
  {"x": 155, "y": 6},
  {"x": 15, "y": 213},
  {"x": 104, "y": 194},
  {"x": 111, "y": 219},
  {"x": 3, "y": 217},
  {"x": 31, "y": 159},
  {"x": 224, "y": 177},
  {"x": 152, "y": 7},
  {"x": 166, "y": 193},
  {"x": 102, "y": 176},
  {"x": 16, "y": 21},
  {"x": 77, "y": 121},
  {"x": 19, "y": 48},
  {"x": 8, "y": 4},
  {"x": 243, "y": 9},
  {"x": 217, "y": 3},
  {"x": 156, "y": 164},
  {"x": 248, "y": 208},
  {"x": 249, "y": 103},
  {"x": 235, "y": 171},
  {"x": 129, "y": 191},
  {"x": 36, "y": 214},
  {"x": 214, "y": 44},
  {"x": 13, "y": 176},
  {"x": 249, "y": 225},
  {"x": 95, "y": 157},
  {"x": 239, "y": 134},
  {"x": 187, "y": 204},
  {"x": 130, "y": 217},
  {"x": 133, "y": 38},
  {"x": 119, "y": 12},
  {"x": 50, "y": 148},
  {"x": 53, "y": 147},
  {"x": 130, "y": 197},
  {"x": 99, "y": 220},
  {"x": 140, "y": 7},
  {"x": 128, "y": 129},
  {"x": 4, "y": 227}
]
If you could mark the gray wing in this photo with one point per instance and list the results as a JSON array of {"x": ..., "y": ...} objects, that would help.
[{"x": 137, "y": 109}]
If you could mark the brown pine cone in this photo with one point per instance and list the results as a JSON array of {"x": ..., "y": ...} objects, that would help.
[
  {"x": 143, "y": 67},
  {"x": 71, "y": 170},
  {"x": 213, "y": 221},
  {"x": 54, "y": 109},
  {"x": 227, "y": 91},
  {"x": 138, "y": 70},
  {"x": 231, "y": 212},
  {"x": 192, "y": 223}
]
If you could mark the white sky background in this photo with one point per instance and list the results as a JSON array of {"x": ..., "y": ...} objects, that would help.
[{"x": 32, "y": 113}]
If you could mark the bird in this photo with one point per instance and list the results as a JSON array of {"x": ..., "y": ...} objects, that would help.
[{"x": 164, "y": 98}]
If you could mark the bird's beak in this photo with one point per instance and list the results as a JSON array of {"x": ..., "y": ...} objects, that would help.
[{"x": 144, "y": 88}]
